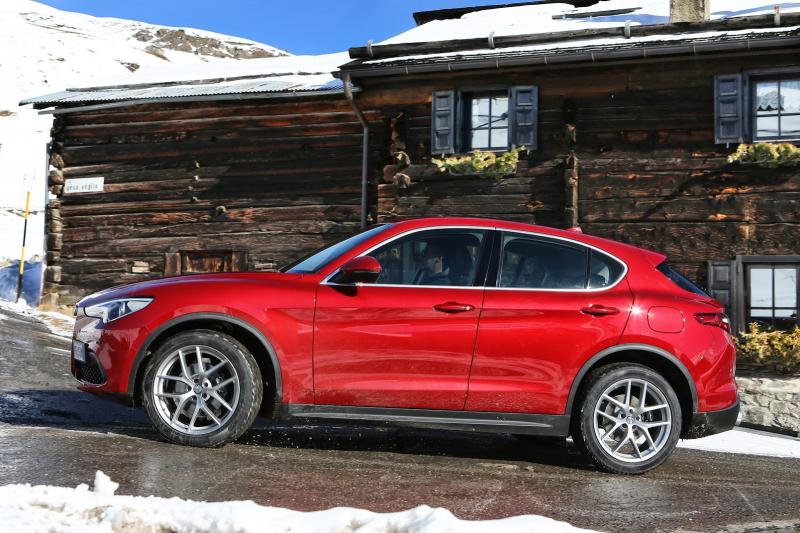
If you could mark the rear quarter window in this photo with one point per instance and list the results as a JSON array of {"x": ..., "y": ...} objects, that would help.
[{"x": 680, "y": 280}]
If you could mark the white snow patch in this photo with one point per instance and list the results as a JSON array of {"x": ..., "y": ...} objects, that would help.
[
  {"x": 584, "y": 44},
  {"x": 746, "y": 441},
  {"x": 58, "y": 323},
  {"x": 104, "y": 485},
  {"x": 533, "y": 19},
  {"x": 308, "y": 69},
  {"x": 48, "y": 508}
]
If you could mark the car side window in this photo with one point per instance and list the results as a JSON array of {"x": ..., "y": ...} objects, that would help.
[
  {"x": 604, "y": 270},
  {"x": 540, "y": 263},
  {"x": 436, "y": 257}
]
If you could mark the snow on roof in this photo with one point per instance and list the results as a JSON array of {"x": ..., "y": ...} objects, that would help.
[
  {"x": 587, "y": 46},
  {"x": 558, "y": 32},
  {"x": 534, "y": 19},
  {"x": 275, "y": 75}
]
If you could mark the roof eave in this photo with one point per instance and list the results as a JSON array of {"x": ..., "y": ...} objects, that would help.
[
  {"x": 643, "y": 51},
  {"x": 59, "y": 108}
]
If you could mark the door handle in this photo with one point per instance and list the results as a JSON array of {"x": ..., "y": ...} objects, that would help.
[
  {"x": 599, "y": 310},
  {"x": 453, "y": 307}
]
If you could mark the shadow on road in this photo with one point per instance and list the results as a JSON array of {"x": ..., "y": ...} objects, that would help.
[
  {"x": 412, "y": 441},
  {"x": 79, "y": 411}
]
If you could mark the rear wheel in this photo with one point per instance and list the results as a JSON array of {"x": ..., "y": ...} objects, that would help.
[
  {"x": 629, "y": 420},
  {"x": 202, "y": 388}
]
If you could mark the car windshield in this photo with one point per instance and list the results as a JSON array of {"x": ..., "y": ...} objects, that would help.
[
  {"x": 679, "y": 280},
  {"x": 320, "y": 258}
]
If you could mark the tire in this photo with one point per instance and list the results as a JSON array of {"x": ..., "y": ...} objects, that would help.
[
  {"x": 206, "y": 407},
  {"x": 642, "y": 440}
]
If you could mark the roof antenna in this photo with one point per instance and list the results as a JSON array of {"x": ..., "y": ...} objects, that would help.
[
  {"x": 369, "y": 49},
  {"x": 491, "y": 40},
  {"x": 627, "y": 29},
  {"x": 777, "y": 15}
]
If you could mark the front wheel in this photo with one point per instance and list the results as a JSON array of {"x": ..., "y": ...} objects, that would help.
[
  {"x": 629, "y": 420},
  {"x": 202, "y": 388}
]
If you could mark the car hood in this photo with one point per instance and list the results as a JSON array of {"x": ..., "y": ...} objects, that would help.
[{"x": 152, "y": 287}]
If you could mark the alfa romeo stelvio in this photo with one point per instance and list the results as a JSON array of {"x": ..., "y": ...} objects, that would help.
[{"x": 457, "y": 323}]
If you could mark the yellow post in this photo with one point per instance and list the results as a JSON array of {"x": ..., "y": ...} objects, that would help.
[{"x": 22, "y": 253}]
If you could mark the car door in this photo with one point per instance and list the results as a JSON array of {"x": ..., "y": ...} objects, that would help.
[
  {"x": 405, "y": 341},
  {"x": 554, "y": 304}
]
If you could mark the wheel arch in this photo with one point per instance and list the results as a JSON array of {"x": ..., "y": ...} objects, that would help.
[
  {"x": 667, "y": 364},
  {"x": 243, "y": 331}
]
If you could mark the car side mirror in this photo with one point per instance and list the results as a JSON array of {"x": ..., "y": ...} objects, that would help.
[{"x": 364, "y": 269}]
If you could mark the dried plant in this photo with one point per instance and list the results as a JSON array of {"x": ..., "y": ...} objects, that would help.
[
  {"x": 768, "y": 155},
  {"x": 779, "y": 348},
  {"x": 489, "y": 164}
]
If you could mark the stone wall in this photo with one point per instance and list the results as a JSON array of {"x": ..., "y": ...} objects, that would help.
[{"x": 771, "y": 402}]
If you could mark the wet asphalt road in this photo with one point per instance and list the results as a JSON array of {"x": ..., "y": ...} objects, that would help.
[{"x": 51, "y": 433}]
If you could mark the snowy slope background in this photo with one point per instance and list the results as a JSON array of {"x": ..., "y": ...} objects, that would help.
[{"x": 45, "y": 50}]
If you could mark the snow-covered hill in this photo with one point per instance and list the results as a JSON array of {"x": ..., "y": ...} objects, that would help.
[{"x": 44, "y": 50}]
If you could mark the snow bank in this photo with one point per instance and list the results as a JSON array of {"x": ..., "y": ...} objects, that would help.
[
  {"x": 747, "y": 441},
  {"x": 58, "y": 324},
  {"x": 46, "y": 508}
]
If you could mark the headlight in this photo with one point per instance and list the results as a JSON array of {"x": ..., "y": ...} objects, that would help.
[{"x": 114, "y": 309}]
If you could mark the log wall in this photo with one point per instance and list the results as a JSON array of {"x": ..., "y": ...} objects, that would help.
[
  {"x": 201, "y": 186},
  {"x": 253, "y": 184},
  {"x": 648, "y": 170}
]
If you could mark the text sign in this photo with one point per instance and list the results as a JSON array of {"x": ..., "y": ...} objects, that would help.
[{"x": 84, "y": 185}]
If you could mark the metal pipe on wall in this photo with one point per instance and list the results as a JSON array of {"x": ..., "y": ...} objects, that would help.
[{"x": 365, "y": 150}]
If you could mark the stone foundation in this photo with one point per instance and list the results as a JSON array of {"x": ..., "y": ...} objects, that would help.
[{"x": 771, "y": 402}]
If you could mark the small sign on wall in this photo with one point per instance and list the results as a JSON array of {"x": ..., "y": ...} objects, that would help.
[{"x": 84, "y": 185}]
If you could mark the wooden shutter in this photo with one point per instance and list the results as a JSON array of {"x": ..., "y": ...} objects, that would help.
[
  {"x": 729, "y": 109},
  {"x": 443, "y": 122},
  {"x": 722, "y": 287},
  {"x": 524, "y": 116}
]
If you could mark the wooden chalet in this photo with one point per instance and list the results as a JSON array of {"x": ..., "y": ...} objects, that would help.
[{"x": 627, "y": 125}]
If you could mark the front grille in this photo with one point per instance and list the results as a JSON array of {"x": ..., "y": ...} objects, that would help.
[{"x": 90, "y": 371}]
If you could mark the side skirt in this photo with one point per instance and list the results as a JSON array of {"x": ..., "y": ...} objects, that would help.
[{"x": 521, "y": 423}]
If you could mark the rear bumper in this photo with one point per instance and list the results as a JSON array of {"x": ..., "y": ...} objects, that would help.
[{"x": 712, "y": 422}]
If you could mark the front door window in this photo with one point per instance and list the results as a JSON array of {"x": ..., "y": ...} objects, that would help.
[{"x": 442, "y": 258}]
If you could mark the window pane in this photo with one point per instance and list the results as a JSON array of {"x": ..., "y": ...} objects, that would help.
[
  {"x": 500, "y": 138},
  {"x": 767, "y": 126},
  {"x": 790, "y": 125},
  {"x": 785, "y": 287},
  {"x": 761, "y": 313},
  {"x": 767, "y": 97},
  {"x": 786, "y": 313},
  {"x": 480, "y": 112},
  {"x": 790, "y": 96},
  {"x": 535, "y": 264},
  {"x": 480, "y": 139},
  {"x": 603, "y": 270},
  {"x": 444, "y": 258},
  {"x": 500, "y": 111},
  {"x": 760, "y": 287}
]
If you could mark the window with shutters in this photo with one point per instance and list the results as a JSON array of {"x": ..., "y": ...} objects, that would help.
[
  {"x": 772, "y": 294},
  {"x": 494, "y": 119},
  {"x": 762, "y": 289},
  {"x": 776, "y": 109},
  {"x": 757, "y": 106},
  {"x": 487, "y": 126}
]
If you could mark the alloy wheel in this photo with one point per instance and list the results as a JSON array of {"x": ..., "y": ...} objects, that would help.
[
  {"x": 196, "y": 390},
  {"x": 632, "y": 420}
]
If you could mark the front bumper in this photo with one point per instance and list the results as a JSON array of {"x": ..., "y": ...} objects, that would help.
[
  {"x": 712, "y": 422},
  {"x": 109, "y": 350}
]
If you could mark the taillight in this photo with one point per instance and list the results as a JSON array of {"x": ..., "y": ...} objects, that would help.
[{"x": 714, "y": 319}]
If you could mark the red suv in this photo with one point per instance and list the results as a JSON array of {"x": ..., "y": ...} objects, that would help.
[{"x": 468, "y": 324}]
